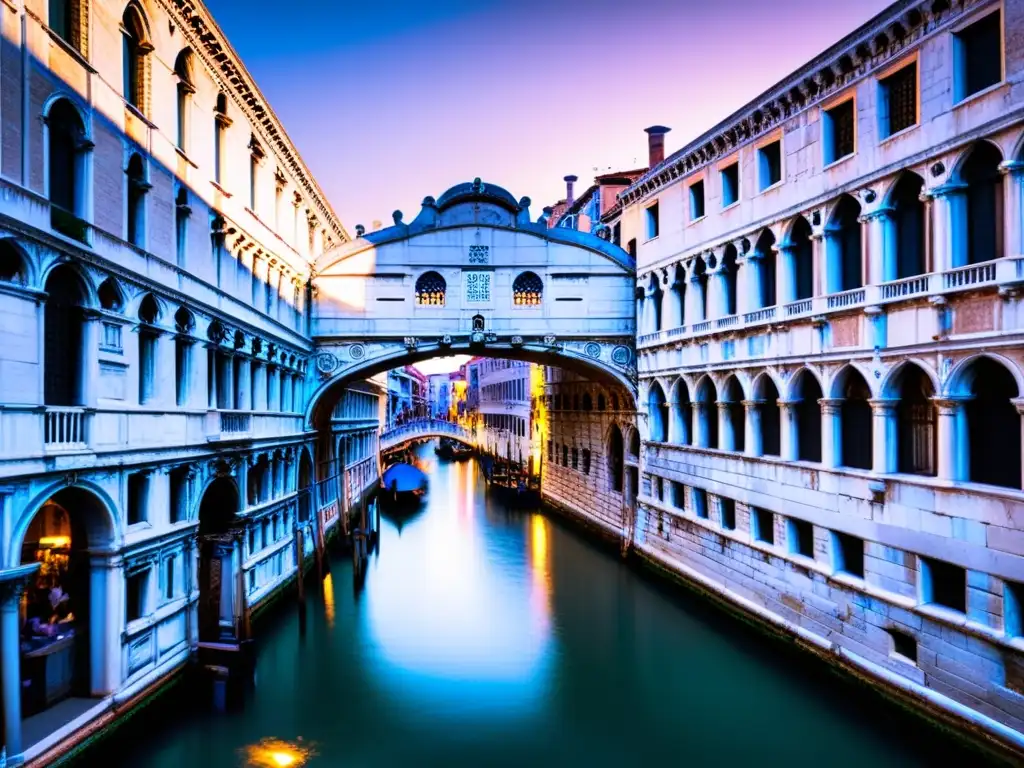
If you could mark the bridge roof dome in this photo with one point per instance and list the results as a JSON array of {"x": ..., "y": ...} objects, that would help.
[{"x": 477, "y": 191}]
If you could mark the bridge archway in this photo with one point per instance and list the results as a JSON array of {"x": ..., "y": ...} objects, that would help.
[{"x": 471, "y": 274}]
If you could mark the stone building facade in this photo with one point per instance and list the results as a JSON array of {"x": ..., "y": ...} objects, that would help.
[
  {"x": 157, "y": 230},
  {"x": 829, "y": 346}
]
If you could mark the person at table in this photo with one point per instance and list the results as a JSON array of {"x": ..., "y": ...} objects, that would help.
[{"x": 38, "y": 615}]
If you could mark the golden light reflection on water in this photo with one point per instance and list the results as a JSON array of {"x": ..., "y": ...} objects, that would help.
[
  {"x": 276, "y": 753},
  {"x": 540, "y": 568},
  {"x": 329, "y": 600}
]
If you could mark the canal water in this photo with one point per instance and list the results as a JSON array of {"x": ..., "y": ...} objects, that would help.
[{"x": 485, "y": 636}]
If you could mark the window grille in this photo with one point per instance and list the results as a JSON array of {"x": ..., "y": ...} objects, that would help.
[
  {"x": 430, "y": 290},
  {"x": 527, "y": 290}
]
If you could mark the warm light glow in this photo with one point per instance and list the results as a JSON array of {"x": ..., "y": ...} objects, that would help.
[
  {"x": 55, "y": 541},
  {"x": 329, "y": 600},
  {"x": 540, "y": 594},
  {"x": 274, "y": 753},
  {"x": 539, "y": 422}
]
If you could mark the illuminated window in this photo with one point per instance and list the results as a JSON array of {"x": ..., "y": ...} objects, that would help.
[
  {"x": 527, "y": 290},
  {"x": 430, "y": 290}
]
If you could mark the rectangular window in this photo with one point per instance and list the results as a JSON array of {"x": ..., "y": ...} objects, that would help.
[
  {"x": 254, "y": 170},
  {"x": 565, "y": 455},
  {"x": 838, "y": 132},
  {"x": 898, "y": 102},
  {"x": 697, "y": 200},
  {"x": 169, "y": 578},
  {"x": 848, "y": 553},
  {"x": 1013, "y": 609},
  {"x": 182, "y": 364},
  {"x": 700, "y": 503},
  {"x": 586, "y": 461},
  {"x": 800, "y": 536},
  {"x": 179, "y": 494},
  {"x": 218, "y": 151},
  {"x": 575, "y": 458},
  {"x": 678, "y": 495},
  {"x": 147, "y": 366},
  {"x": 551, "y": 451},
  {"x": 903, "y": 645},
  {"x": 730, "y": 184},
  {"x": 137, "y": 585},
  {"x": 138, "y": 493},
  {"x": 617, "y": 234},
  {"x": 977, "y": 56},
  {"x": 769, "y": 165},
  {"x": 943, "y": 584},
  {"x": 762, "y": 525},
  {"x": 651, "y": 216},
  {"x": 728, "y": 509}
]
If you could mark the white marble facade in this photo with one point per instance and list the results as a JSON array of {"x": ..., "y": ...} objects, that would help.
[{"x": 829, "y": 312}]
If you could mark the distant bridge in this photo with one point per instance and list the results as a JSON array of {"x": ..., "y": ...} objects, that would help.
[{"x": 422, "y": 429}]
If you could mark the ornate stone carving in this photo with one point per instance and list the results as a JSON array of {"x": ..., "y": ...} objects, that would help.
[
  {"x": 592, "y": 349},
  {"x": 356, "y": 351},
  {"x": 622, "y": 355},
  {"x": 411, "y": 343},
  {"x": 446, "y": 340},
  {"x": 549, "y": 339},
  {"x": 326, "y": 364},
  {"x": 517, "y": 341}
]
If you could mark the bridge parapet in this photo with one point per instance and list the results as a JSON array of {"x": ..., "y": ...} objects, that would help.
[{"x": 424, "y": 428}]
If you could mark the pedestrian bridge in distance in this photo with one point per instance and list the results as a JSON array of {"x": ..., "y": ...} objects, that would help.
[
  {"x": 471, "y": 274},
  {"x": 423, "y": 429}
]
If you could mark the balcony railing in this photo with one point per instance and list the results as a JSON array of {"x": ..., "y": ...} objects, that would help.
[
  {"x": 228, "y": 425},
  {"x": 65, "y": 429},
  {"x": 1005, "y": 271},
  {"x": 235, "y": 422}
]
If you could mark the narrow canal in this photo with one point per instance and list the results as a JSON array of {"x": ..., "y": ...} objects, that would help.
[{"x": 490, "y": 637}]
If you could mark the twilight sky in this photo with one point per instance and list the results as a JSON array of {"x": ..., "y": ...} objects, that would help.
[{"x": 393, "y": 100}]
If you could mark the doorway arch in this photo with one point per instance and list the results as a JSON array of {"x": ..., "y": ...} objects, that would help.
[{"x": 219, "y": 562}]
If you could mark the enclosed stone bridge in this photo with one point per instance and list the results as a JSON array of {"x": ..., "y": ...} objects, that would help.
[{"x": 472, "y": 274}]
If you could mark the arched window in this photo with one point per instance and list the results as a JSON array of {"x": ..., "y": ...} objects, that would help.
[
  {"x": 527, "y": 290},
  {"x": 762, "y": 266},
  {"x": 149, "y": 314},
  {"x": 767, "y": 393},
  {"x": 908, "y": 218},
  {"x": 138, "y": 186},
  {"x": 732, "y": 394},
  {"x": 984, "y": 209},
  {"x": 808, "y": 417},
  {"x": 657, "y": 413},
  {"x": 588, "y": 402},
  {"x": 63, "y": 352},
  {"x": 803, "y": 259},
  {"x": 110, "y": 295},
  {"x": 135, "y": 47},
  {"x": 66, "y": 169},
  {"x": 855, "y": 420},
  {"x": 12, "y": 265},
  {"x": 844, "y": 268},
  {"x": 699, "y": 279},
  {"x": 601, "y": 404},
  {"x": 680, "y": 415},
  {"x": 430, "y": 290},
  {"x": 915, "y": 422},
  {"x": 730, "y": 271},
  {"x": 186, "y": 87},
  {"x": 993, "y": 425}
]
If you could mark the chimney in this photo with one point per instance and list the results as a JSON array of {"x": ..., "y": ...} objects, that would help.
[
  {"x": 655, "y": 144},
  {"x": 569, "y": 180}
]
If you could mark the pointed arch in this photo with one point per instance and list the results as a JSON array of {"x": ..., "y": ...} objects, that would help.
[
  {"x": 657, "y": 413},
  {"x": 616, "y": 457},
  {"x": 680, "y": 428},
  {"x": 111, "y": 295},
  {"x": 14, "y": 263}
]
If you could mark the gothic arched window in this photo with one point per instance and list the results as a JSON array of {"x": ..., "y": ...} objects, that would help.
[
  {"x": 527, "y": 290},
  {"x": 430, "y": 290}
]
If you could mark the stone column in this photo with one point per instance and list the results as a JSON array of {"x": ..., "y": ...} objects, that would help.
[
  {"x": 243, "y": 387},
  {"x": 718, "y": 293},
  {"x": 950, "y": 244},
  {"x": 700, "y": 426},
  {"x": 884, "y": 437},
  {"x": 286, "y": 391},
  {"x": 650, "y": 313},
  {"x": 671, "y": 309},
  {"x": 298, "y": 394},
  {"x": 831, "y": 432},
  {"x": 818, "y": 286},
  {"x": 754, "y": 443},
  {"x": 92, "y": 330},
  {"x": 273, "y": 388},
  {"x": 259, "y": 385},
  {"x": 726, "y": 438},
  {"x": 953, "y": 459},
  {"x": 789, "y": 437},
  {"x": 695, "y": 300},
  {"x": 1013, "y": 207},
  {"x": 677, "y": 427},
  {"x": 13, "y": 583},
  {"x": 833, "y": 262},
  {"x": 226, "y": 400},
  {"x": 881, "y": 242},
  {"x": 210, "y": 366},
  {"x": 106, "y": 622},
  {"x": 787, "y": 274},
  {"x": 165, "y": 371},
  {"x": 754, "y": 266}
]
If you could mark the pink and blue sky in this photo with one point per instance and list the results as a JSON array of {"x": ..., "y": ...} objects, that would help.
[{"x": 391, "y": 101}]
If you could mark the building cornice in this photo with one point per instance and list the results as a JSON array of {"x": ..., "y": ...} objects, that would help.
[
  {"x": 210, "y": 44},
  {"x": 870, "y": 48}
]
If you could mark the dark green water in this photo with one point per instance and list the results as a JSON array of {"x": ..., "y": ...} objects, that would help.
[{"x": 489, "y": 637}]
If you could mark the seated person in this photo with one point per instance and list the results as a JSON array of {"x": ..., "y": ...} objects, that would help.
[
  {"x": 60, "y": 603},
  {"x": 37, "y": 623}
]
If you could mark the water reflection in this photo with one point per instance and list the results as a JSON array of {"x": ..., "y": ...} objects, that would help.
[
  {"x": 540, "y": 594},
  {"x": 329, "y": 600},
  {"x": 275, "y": 753},
  {"x": 443, "y": 613}
]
